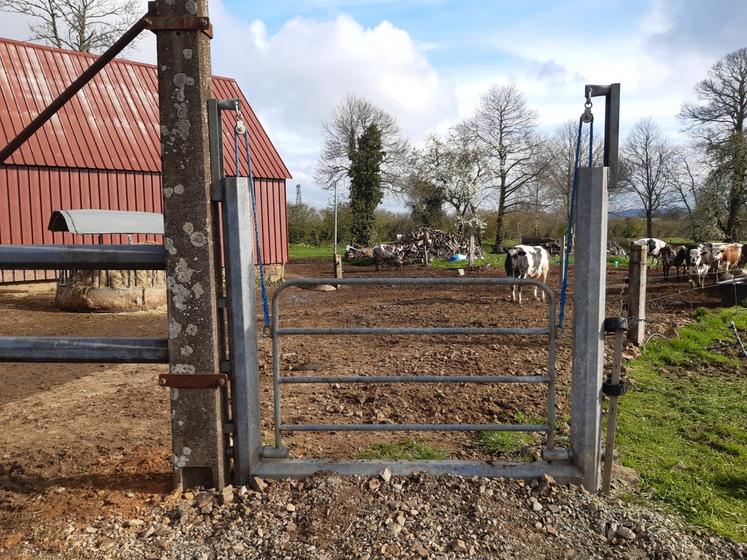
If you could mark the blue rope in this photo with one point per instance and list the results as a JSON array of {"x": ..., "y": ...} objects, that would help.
[
  {"x": 571, "y": 214},
  {"x": 265, "y": 304}
]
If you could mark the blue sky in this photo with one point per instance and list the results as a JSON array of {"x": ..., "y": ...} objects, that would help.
[{"x": 427, "y": 62}]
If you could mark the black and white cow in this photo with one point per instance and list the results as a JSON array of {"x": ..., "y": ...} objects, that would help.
[
  {"x": 654, "y": 247},
  {"x": 527, "y": 261},
  {"x": 682, "y": 259}
]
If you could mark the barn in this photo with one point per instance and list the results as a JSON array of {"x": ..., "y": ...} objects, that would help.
[{"x": 102, "y": 150}]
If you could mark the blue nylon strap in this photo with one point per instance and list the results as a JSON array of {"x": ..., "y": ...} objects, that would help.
[{"x": 571, "y": 215}]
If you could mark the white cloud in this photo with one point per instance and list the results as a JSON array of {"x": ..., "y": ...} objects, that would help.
[{"x": 295, "y": 77}]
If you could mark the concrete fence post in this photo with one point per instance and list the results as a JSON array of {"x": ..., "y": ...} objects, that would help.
[
  {"x": 590, "y": 269},
  {"x": 637, "y": 294},
  {"x": 184, "y": 87}
]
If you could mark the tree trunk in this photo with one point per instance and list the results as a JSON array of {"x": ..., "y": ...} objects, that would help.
[
  {"x": 499, "y": 238},
  {"x": 649, "y": 224}
]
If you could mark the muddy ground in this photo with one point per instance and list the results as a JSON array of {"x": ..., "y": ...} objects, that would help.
[{"x": 80, "y": 441}]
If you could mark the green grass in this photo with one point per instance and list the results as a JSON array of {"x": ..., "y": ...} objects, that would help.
[
  {"x": 491, "y": 259},
  {"x": 304, "y": 251},
  {"x": 684, "y": 429},
  {"x": 506, "y": 443},
  {"x": 622, "y": 262},
  {"x": 408, "y": 450}
]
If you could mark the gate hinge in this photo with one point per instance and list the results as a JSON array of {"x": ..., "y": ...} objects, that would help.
[
  {"x": 614, "y": 324},
  {"x": 193, "y": 380},
  {"x": 614, "y": 390},
  {"x": 179, "y": 23}
]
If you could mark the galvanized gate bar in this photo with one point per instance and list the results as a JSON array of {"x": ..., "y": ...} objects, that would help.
[
  {"x": 414, "y": 427},
  {"x": 414, "y": 378},
  {"x": 302, "y": 468},
  {"x": 82, "y": 257},
  {"x": 412, "y": 330},
  {"x": 54, "y": 349},
  {"x": 549, "y": 379}
]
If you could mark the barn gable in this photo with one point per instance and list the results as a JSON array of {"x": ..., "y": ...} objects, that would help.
[
  {"x": 112, "y": 123},
  {"x": 102, "y": 149}
]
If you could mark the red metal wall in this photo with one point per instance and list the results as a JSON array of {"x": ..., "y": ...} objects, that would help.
[{"x": 28, "y": 195}]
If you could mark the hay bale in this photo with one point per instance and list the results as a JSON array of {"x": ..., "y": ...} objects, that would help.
[{"x": 111, "y": 290}]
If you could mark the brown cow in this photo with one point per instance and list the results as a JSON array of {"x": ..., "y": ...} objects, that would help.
[{"x": 729, "y": 256}]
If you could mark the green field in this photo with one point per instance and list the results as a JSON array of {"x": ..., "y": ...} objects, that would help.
[
  {"x": 683, "y": 426},
  {"x": 304, "y": 251}
]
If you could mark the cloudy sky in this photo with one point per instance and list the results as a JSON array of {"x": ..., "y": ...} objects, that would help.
[{"x": 428, "y": 61}]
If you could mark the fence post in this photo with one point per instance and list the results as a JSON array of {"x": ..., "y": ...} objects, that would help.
[
  {"x": 471, "y": 252},
  {"x": 590, "y": 269},
  {"x": 637, "y": 294},
  {"x": 338, "y": 266},
  {"x": 184, "y": 87},
  {"x": 239, "y": 243}
]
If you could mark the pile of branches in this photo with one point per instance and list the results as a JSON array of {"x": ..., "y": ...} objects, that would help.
[
  {"x": 413, "y": 246},
  {"x": 614, "y": 249}
]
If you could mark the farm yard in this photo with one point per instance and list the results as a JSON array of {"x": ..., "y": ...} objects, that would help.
[
  {"x": 85, "y": 463},
  {"x": 194, "y": 367}
]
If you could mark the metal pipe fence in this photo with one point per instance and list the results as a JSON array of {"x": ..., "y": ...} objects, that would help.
[{"x": 548, "y": 379}]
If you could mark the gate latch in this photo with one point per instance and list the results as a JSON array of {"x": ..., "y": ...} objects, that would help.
[
  {"x": 614, "y": 389},
  {"x": 193, "y": 380}
]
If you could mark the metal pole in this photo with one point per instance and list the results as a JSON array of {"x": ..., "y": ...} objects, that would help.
[
  {"x": 184, "y": 88},
  {"x": 238, "y": 238},
  {"x": 609, "y": 448},
  {"x": 58, "y": 349},
  {"x": 637, "y": 293},
  {"x": 73, "y": 88},
  {"x": 590, "y": 267},
  {"x": 82, "y": 257},
  {"x": 611, "y": 93}
]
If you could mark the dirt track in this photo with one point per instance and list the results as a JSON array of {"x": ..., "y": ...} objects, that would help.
[{"x": 85, "y": 440}]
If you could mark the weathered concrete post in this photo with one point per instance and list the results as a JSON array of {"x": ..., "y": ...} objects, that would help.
[
  {"x": 184, "y": 87},
  {"x": 637, "y": 294},
  {"x": 338, "y": 266},
  {"x": 590, "y": 270}
]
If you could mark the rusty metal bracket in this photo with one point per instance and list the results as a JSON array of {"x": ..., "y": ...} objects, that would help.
[
  {"x": 193, "y": 380},
  {"x": 179, "y": 23}
]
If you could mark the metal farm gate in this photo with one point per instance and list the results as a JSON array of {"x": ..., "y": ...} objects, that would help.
[{"x": 548, "y": 379}]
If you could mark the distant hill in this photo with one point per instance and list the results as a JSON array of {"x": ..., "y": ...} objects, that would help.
[{"x": 632, "y": 213}]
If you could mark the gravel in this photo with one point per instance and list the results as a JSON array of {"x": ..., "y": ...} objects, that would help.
[{"x": 388, "y": 517}]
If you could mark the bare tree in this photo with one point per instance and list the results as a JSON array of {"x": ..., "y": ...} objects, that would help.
[
  {"x": 506, "y": 130},
  {"x": 459, "y": 169},
  {"x": 80, "y": 25},
  {"x": 686, "y": 174},
  {"x": 350, "y": 119},
  {"x": 717, "y": 122},
  {"x": 645, "y": 158}
]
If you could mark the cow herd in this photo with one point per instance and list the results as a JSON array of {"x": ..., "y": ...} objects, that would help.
[
  {"x": 533, "y": 261},
  {"x": 700, "y": 261}
]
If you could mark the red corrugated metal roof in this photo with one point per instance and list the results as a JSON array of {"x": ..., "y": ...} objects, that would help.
[{"x": 112, "y": 123}]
